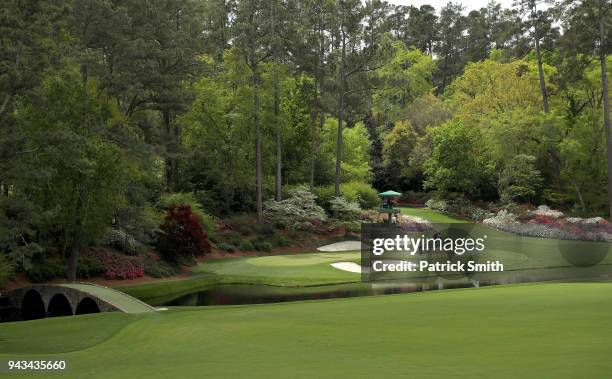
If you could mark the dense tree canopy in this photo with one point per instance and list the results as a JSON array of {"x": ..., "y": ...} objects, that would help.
[{"x": 107, "y": 106}]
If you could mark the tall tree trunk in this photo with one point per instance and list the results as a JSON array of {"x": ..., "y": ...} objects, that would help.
[
  {"x": 313, "y": 136},
  {"x": 541, "y": 75},
  {"x": 77, "y": 236},
  {"x": 539, "y": 59},
  {"x": 169, "y": 158},
  {"x": 256, "y": 115},
  {"x": 279, "y": 165},
  {"x": 340, "y": 111},
  {"x": 606, "y": 99}
]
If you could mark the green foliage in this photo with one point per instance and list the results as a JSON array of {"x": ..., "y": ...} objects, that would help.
[
  {"x": 246, "y": 245},
  {"x": 405, "y": 75},
  {"x": 454, "y": 165},
  {"x": 359, "y": 192},
  {"x": 262, "y": 246},
  {"x": 186, "y": 198},
  {"x": 398, "y": 152},
  {"x": 47, "y": 269},
  {"x": 158, "y": 268},
  {"x": 226, "y": 247},
  {"x": 519, "y": 180},
  {"x": 355, "y": 151},
  {"x": 6, "y": 270}
]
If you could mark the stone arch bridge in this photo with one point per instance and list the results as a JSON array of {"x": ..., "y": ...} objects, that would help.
[{"x": 52, "y": 300}]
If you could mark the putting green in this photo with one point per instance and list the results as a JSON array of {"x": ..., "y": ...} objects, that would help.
[{"x": 532, "y": 331}]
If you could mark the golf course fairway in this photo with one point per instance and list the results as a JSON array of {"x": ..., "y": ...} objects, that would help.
[{"x": 535, "y": 331}]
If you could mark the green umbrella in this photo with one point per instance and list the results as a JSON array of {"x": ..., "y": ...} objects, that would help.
[{"x": 389, "y": 194}]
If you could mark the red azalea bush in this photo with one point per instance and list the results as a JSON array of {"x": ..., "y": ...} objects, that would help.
[
  {"x": 182, "y": 235},
  {"x": 117, "y": 265}
]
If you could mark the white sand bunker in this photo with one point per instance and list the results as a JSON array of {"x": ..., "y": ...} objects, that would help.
[
  {"x": 349, "y": 266},
  {"x": 341, "y": 246}
]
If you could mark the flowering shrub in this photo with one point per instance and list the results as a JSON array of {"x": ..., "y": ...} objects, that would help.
[
  {"x": 121, "y": 240},
  {"x": 182, "y": 234},
  {"x": 502, "y": 217},
  {"x": 546, "y": 225},
  {"x": 117, "y": 265},
  {"x": 437, "y": 205},
  {"x": 298, "y": 211},
  {"x": 343, "y": 209},
  {"x": 544, "y": 210}
]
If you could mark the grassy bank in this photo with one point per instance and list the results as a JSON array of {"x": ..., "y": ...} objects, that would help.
[{"x": 535, "y": 331}]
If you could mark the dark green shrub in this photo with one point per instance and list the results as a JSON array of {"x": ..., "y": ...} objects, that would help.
[
  {"x": 158, "y": 268},
  {"x": 226, "y": 247},
  {"x": 265, "y": 229},
  {"x": 47, "y": 269},
  {"x": 247, "y": 245},
  {"x": 262, "y": 246},
  {"x": 232, "y": 239},
  {"x": 281, "y": 241},
  {"x": 6, "y": 271},
  {"x": 90, "y": 267}
]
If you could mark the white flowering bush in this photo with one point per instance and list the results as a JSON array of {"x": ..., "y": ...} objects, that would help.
[
  {"x": 544, "y": 210},
  {"x": 437, "y": 205},
  {"x": 594, "y": 220},
  {"x": 121, "y": 240},
  {"x": 502, "y": 217},
  {"x": 345, "y": 210},
  {"x": 299, "y": 210},
  {"x": 574, "y": 220}
]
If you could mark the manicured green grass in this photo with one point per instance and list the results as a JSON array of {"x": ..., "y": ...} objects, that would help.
[
  {"x": 528, "y": 331},
  {"x": 431, "y": 215}
]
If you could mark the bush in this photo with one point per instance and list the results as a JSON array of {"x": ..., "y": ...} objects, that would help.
[
  {"x": 262, "y": 246},
  {"x": 297, "y": 211},
  {"x": 226, "y": 247},
  {"x": 247, "y": 245},
  {"x": 519, "y": 180},
  {"x": 361, "y": 193},
  {"x": 119, "y": 239},
  {"x": 343, "y": 209},
  {"x": 47, "y": 269},
  {"x": 90, "y": 267},
  {"x": 6, "y": 271},
  {"x": 353, "y": 226},
  {"x": 157, "y": 268},
  {"x": 172, "y": 200},
  {"x": 231, "y": 238},
  {"x": 266, "y": 229},
  {"x": 358, "y": 192},
  {"x": 281, "y": 241},
  {"x": 182, "y": 234},
  {"x": 437, "y": 205}
]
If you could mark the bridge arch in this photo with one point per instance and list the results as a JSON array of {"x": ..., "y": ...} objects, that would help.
[
  {"x": 86, "y": 306},
  {"x": 59, "y": 305},
  {"x": 32, "y": 305},
  {"x": 51, "y": 300}
]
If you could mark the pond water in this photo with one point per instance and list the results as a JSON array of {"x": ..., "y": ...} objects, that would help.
[{"x": 237, "y": 294}]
